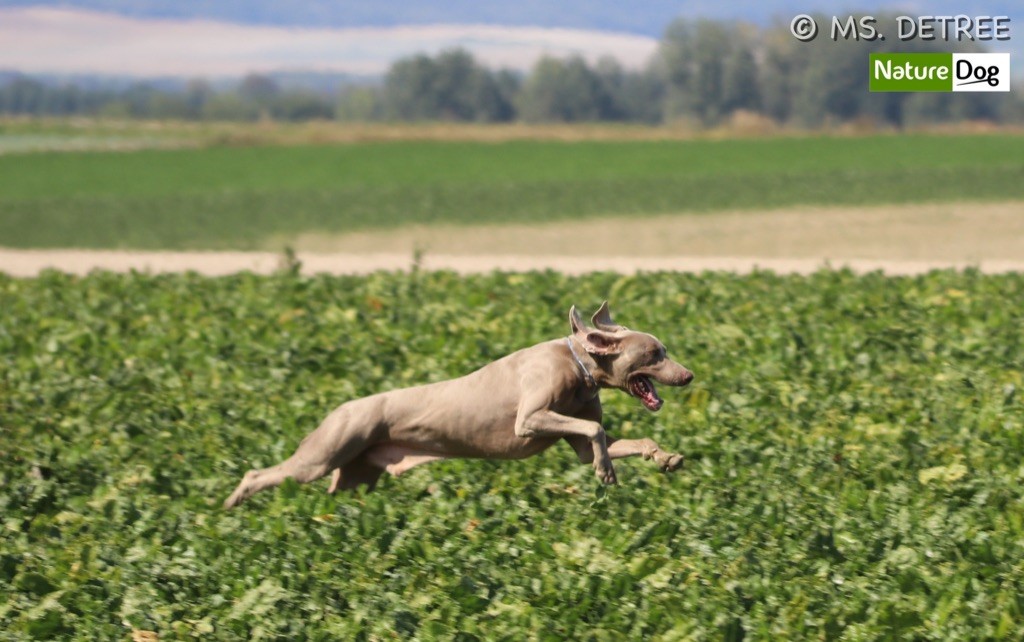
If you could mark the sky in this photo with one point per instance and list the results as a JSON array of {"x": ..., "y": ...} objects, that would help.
[
  {"x": 186, "y": 38},
  {"x": 47, "y": 40}
]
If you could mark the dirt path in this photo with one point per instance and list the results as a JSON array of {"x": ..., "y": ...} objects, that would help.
[
  {"x": 28, "y": 263},
  {"x": 895, "y": 239}
]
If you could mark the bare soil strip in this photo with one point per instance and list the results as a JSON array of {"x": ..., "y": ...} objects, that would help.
[
  {"x": 897, "y": 240},
  {"x": 29, "y": 263}
]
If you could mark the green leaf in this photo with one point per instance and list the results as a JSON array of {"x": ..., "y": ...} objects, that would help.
[
  {"x": 945, "y": 474},
  {"x": 35, "y": 583}
]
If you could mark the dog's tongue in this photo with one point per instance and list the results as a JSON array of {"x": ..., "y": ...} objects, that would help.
[
  {"x": 653, "y": 401},
  {"x": 648, "y": 394}
]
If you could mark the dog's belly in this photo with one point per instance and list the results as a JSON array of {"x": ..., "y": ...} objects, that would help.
[{"x": 396, "y": 457}]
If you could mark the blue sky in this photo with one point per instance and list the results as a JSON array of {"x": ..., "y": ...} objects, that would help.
[
  {"x": 230, "y": 37},
  {"x": 645, "y": 18},
  {"x": 648, "y": 19}
]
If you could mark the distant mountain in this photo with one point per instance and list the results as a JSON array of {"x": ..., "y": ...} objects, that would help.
[
  {"x": 317, "y": 82},
  {"x": 649, "y": 17},
  {"x": 92, "y": 82}
]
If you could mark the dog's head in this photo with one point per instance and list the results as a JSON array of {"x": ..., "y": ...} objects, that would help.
[{"x": 627, "y": 360}]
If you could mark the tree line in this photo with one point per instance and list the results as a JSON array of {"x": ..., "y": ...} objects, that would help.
[{"x": 704, "y": 72}]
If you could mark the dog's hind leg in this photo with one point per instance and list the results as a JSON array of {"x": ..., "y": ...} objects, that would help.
[
  {"x": 355, "y": 473},
  {"x": 256, "y": 480},
  {"x": 335, "y": 443}
]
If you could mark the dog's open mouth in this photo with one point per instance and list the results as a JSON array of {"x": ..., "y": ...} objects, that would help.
[{"x": 642, "y": 388}]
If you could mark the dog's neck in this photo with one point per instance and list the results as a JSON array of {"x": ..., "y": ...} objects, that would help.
[{"x": 587, "y": 376}]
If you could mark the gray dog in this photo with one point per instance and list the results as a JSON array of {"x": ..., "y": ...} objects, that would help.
[{"x": 512, "y": 408}]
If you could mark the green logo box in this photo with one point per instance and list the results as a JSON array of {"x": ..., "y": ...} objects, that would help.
[{"x": 910, "y": 72}]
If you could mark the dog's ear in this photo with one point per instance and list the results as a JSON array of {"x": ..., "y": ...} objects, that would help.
[
  {"x": 576, "y": 324},
  {"x": 594, "y": 341},
  {"x": 602, "y": 320},
  {"x": 598, "y": 342}
]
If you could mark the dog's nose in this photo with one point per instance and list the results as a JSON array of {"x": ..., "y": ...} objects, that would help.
[{"x": 686, "y": 378}]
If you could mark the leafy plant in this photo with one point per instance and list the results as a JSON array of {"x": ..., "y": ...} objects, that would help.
[{"x": 854, "y": 462}]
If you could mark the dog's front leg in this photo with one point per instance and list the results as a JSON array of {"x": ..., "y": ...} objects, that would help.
[
  {"x": 647, "y": 449},
  {"x": 619, "y": 448},
  {"x": 547, "y": 423}
]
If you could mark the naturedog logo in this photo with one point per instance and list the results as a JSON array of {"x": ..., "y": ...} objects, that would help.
[
  {"x": 990, "y": 71},
  {"x": 939, "y": 72}
]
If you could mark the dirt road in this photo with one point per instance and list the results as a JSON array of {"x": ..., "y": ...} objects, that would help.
[{"x": 27, "y": 263}]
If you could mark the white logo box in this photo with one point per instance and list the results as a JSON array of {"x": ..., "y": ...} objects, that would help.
[{"x": 981, "y": 72}]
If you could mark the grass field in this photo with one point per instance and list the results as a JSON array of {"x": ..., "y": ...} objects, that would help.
[
  {"x": 251, "y": 197},
  {"x": 854, "y": 465}
]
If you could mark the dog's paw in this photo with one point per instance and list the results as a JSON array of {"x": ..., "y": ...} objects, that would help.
[
  {"x": 671, "y": 463},
  {"x": 606, "y": 474}
]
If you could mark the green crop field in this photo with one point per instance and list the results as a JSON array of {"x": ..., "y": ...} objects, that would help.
[
  {"x": 249, "y": 197},
  {"x": 854, "y": 452}
]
